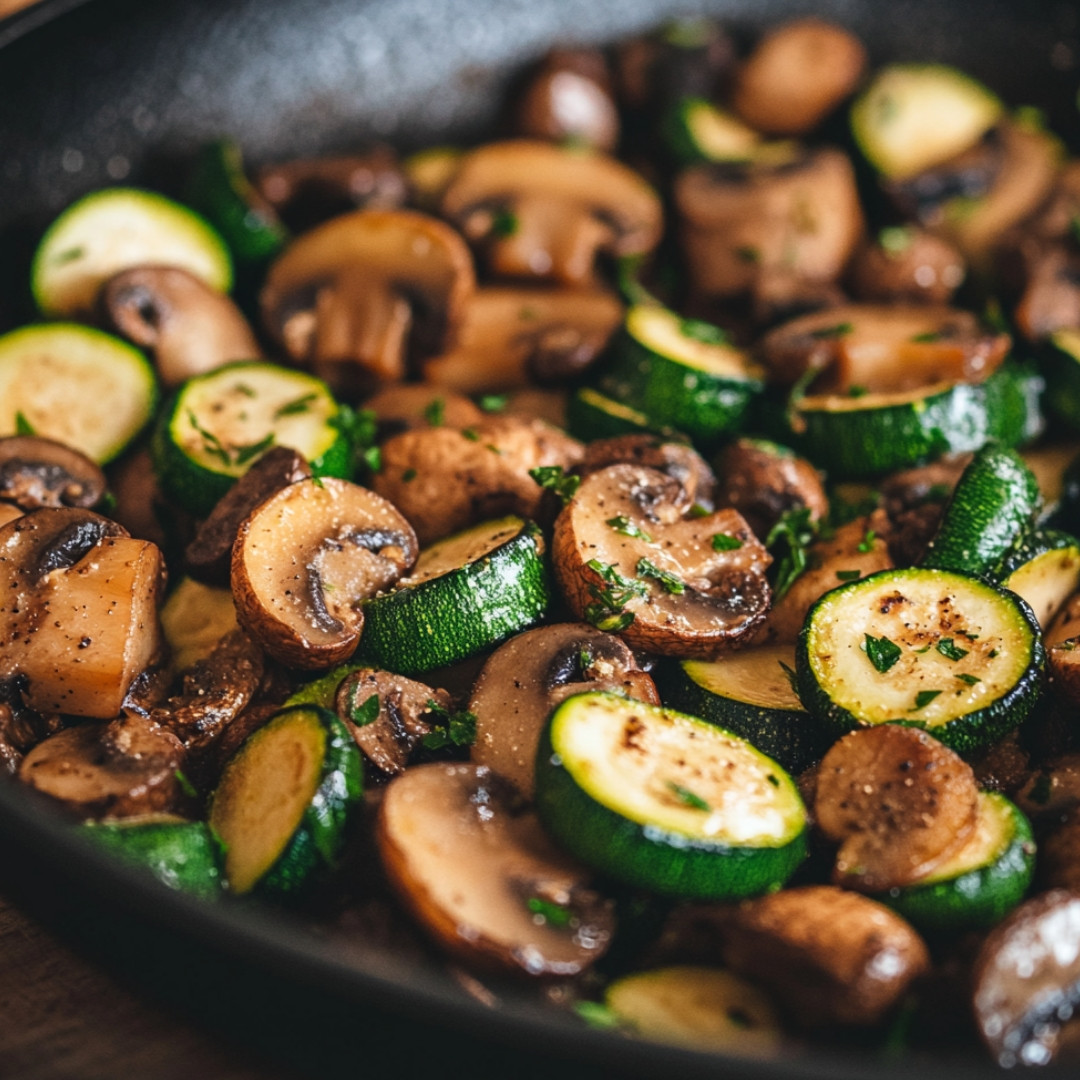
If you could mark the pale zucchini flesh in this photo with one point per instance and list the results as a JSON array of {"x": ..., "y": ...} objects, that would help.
[
  {"x": 759, "y": 676},
  {"x": 664, "y": 333}
]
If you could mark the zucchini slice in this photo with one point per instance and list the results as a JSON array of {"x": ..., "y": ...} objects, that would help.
[
  {"x": 858, "y": 438},
  {"x": 992, "y": 506},
  {"x": 195, "y": 618},
  {"x": 465, "y": 594},
  {"x": 697, "y": 1007},
  {"x": 1044, "y": 570},
  {"x": 934, "y": 649},
  {"x": 982, "y": 882},
  {"x": 667, "y": 802},
  {"x": 184, "y": 855},
  {"x": 115, "y": 229},
  {"x": 696, "y": 130},
  {"x": 1061, "y": 363},
  {"x": 681, "y": 373},
  {"x": 284, "y": 800},
  {"x": 76, "y": 385},
  {"x": 220, "y": 423},
  {"x": 915, "y": 116},
  {"x": 592, "y": 415},
  {"x": 752, "y": 693}
]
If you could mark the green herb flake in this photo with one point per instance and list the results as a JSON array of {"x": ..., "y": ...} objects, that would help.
[
  {"x": 772, "y": 780},
  {"x": 895, "y": 239},
  {"x": 948, "y": 648},
  {"x": 687, "y": 797},
  {"x": 211, "y": 443},
  {"x": 698, "y": 511},
  {"x": 867, "y": 543},
  {"x": 970, "y": 680},
  {"x": 836, "y": 331},
  {"x": 670, "y": 582},
  {"x": 992, "y": 653},
  {"x": 706, "y": 333},
  {"x": 248, "y": 392},
  {"x": 186, "y": 786},
  {"x": 1042, "y": 789},
  {"x": 622, "y": 524},
  {"x": 504, "y": 223},
  {"x": 597, "y": 1015},
  {"x": 849, "y": 575},
  {"x": 435, "y": 412},
  {"x": 296, "y": 407},
  {"x": 923, "y": 698},
  {"x": 553, "y": 478},
  {"x": 62, "y": 258},
  {"x": 928, "y": 338},
  {"x": 924, "y": 649},
  {"x": 938, "y": 492},
  {"x": 749, "y": 255},
  {"x": 408, "y": 476},
  {"x": 789, "y": 674},
  {"x": 857, "y": 391},
  {"x": 357, "y": 425},
  {"x": 611, "y": 597},
  {"x": 795, "y": 531},
  {"x": 373, "y": 458},
  {"x": 23, "y": 426},
  {"x": 451, "y": 729},
  {"x": 548, "y": 911},
  {"x": 470, "y": 434},
  {"x": 493, "y": 403},
  {"x": 725, "y": 542},
  {"x": 245, "y": 454},
  {"x": 881, "y": 652},
  {"x": 366, "y": 713}
]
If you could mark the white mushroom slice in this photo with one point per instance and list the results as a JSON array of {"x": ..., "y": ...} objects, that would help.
[
  {"x": 628, "y": 561},
  {"x": 306, "y": 559},
  {"x": 483, "y": 879}
]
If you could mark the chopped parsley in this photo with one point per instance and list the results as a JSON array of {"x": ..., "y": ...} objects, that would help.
[
  {"x": 597, "y": 1015},
  {"x": 838, "y": 330},
  {"x": 923, "y": 698},
  {"x": 749, "y": 255},
  {"x": 881, "y": 652},
  {"x": 435, "y": 412},
  {"x": 622, "y": 524},
  {"x": 296, "y": 406},
  {"x": 608, "y": 611},
  {"x": 895, "y": 239},
  {"x": 23, "y": 426},
  {"x": 553, "y": 478},
  {"x": 504, "y": 223},
  {"x": 670, "y": 582},
  {"x": 849, "y": 575},
  {"x": 372, "y": 458},
  {"x": 554, "y": 914},
  {"x": 789, "y": 674},
  {"x": 706, "y": 333},
  {"x": 233, "y": 456},
  {"x": 725, "y": 542},
  {"x": 970, "y": 680},
  {"x": 867, "y": 543},
  {"x": 450, "y": 729},
  {"x": 366, "y": 713},
  {"x": 408, "y": 476},
  {"x": 796, "y": 532},
  {"x": 687, "y": 797},
  {"x": 186, "y": 786},
  {"x": 493, "y": 402},
  {"x": 857, "y": 391},
  {"x": 948, "y": 648},
  {"x": 471, "y": 434},
  {"x": 928, "y": 338}
]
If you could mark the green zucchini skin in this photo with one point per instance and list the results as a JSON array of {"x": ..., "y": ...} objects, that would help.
[
  {"x": 592, "y": 415},
  {"x": 647, "y": 856},
  {"x": 981, "y": 897},
  {"x": 871, "y": 436},
  {"x": 790, "y": 736},
  {"x": 184, "y": 855},
  {"x": 967, "y": 734},
  {"x": 993, "y": 505},
  {"x": 454, "y": 616},
  {"x": 1061, "y": 367}
]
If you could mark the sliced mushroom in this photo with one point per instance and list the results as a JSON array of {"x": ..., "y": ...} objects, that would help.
[
  {"x": 78, "y": 618},
  {"x": 1052, "y": 791},
  {"x": 879, "y": 349},
  {"x": 897, "y": 801},
  {"x": 120, "y": 769},
  {"x": 1027, "y": 980},
  {"x": 186, "y": 326},
  {"x": 209, "y": 555},
  {"x": 628, "y": 560},
  {"x": 764, "y": 481},
  {"x": 139, "y": 506},
  {"x": 9, "y": 512},
  {"x": 1063, "y": 658},
  {"x": 545, "y": 212},
  {"x": 569, "y": 97},
  {"x": 309, "y": 191},
  {"x": 406, "y": 406},
  {"x": 307, "y": 558},
  {"x": 832, "y": 957},
  {"x": 796, "y": 75},
  {"x": 36, "y": 472},
  {"x": 740, "y": 224},
  {"x": 511, "y": 336},
  {"x": 906, "y": 266},
  {"x": 443, "y": 480},
  {"x": 526, "y": 678},
  {"x": 1051, "y": 297},
  {"x": 482, "y": 878},
  {"x": 677, "y": 460},
  {"x": 355, "y": 297},
  {"x": 21, "y": 729},
  {"x": 388, "y": 733}
]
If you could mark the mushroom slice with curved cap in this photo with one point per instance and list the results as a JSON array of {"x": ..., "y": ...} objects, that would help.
[
  {"x": 353, "y": 297},
  {"x": 1027, "y": 980},
  {"x": 408, "y": 406},
  {"x": 483, "y": 879},
  {"x": 78, "y": 614},
  {"x": 678, "y": 460},
  {"x": 544, "y": 212},
  {"x": 385, "y": 714},
  {"x": 306, "y": 559},
  {"x": 511, "y": 336},
  {"x": 532, "y": 673},
  {"x": 36, "y": 472},
  {"x": 628, "y": 561},
  {"x": 188, "y": 327},
  {"x": 883, "y": 349}
]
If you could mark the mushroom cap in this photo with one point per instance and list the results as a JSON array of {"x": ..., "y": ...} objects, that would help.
[
  {"x": 37, "y": 472},
  {"x": 306, "y": 558}
]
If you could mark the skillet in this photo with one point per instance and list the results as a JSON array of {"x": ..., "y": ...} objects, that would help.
[{"x": 107, "y": 91}]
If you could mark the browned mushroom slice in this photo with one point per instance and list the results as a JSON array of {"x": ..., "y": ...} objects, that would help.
[
  {"x": 764, "y": 481},
  {"x": 1051, "y": 298},
  {"x": 78, "y": 618},
  {"x": 309, "y": 191},
  {"x": 186, "y": 326},
  {"x": 9, "y": 512},
  {"x": 1027, "y": 980},
  {"x": 306, "y": 559},
  {"x": 906, "y": 266},
  {"x": 354, "y": 297},
  {"x": 526, "y": 678},
  {"x": 796, "y": 75},
  {"x": 482, "y": 878},
  {"x": 120, "y": 769},
  {"x": 387, "y": 715},
  {"x": 897, "y": 801},
  {"x": 1064, "y": 661},
  {"x": 833, "y": 957},
  {"x": 139, "y": 506},
  {"x": 628, "y": 560},
  {"x": 512, "y": 336},
  {"x": 678, "y": 460},
  {"x": 443, "y": 480},
  {"x": 1052, "y": 791},
  {"x": 881, "y": 349},
  {"x": 209, "y": 555},
  {"x": 36, "y": 472},
  {"x": 1066, "y": 623},
  {"x": 545, "y": 212},
  {"x": 742, "y": 224},
  {"x": 405, "y": 406}
]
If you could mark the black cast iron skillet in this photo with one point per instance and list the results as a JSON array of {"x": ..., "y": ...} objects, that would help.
[{"x": 93, "y": 93}]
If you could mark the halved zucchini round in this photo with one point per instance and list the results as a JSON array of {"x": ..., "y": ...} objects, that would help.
[
  {"x": 1044, "y": 569},
  {"x": 592, "y": 415},
  {"x": 665, "y": 801},
  {"x": 934, "y": 649}
]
